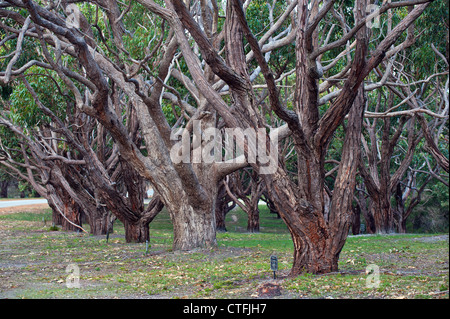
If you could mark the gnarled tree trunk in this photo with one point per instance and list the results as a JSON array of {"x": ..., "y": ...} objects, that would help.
[
  {"x": 193, "y": 227},
  {"x": 382, "y": 213},
  {"x": 253, "y": 220},
  {"x": 100, "y": 221},
  {"x": 319, "y": 236},
  {"x": 356, "y": 220},
  {"x": 136, "y": 232},
  {"x": 222, "y": 207}
]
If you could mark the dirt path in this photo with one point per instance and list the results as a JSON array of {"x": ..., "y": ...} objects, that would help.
[
  {"x": 432, "y": 239},
  {"x": 23, "y": 208}
]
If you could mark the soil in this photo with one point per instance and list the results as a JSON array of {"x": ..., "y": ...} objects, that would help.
[{"x": 23, "y": 208}]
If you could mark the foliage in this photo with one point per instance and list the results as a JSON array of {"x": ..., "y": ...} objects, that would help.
[
  {"x": 24, "y": 109},
  {"x": 433, "y": 24},
  {"x": 432, "y": 214}
]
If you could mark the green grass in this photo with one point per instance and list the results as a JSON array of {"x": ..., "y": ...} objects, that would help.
[
  {"x": 236, "y": 221},
  {"x": 27, "y": 216},
  {"x": 33, "y": 263}
]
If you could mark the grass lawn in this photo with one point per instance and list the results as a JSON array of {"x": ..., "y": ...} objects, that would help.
[{"x": 36, "y": 263}]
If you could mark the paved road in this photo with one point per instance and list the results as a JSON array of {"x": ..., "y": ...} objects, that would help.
[{"x": 22, "y": 202}]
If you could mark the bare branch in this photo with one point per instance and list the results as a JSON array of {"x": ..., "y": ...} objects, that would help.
[{"x": 17, "y": 52}]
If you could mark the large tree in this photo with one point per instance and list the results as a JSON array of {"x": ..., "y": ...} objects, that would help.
[{"x": 318, "y": 230}]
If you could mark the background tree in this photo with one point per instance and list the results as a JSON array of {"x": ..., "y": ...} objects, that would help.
[
  {"x": 381, "y": 178},
  {"x": 245, "y": 188},
  {"x": 224, "y": 204}
]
